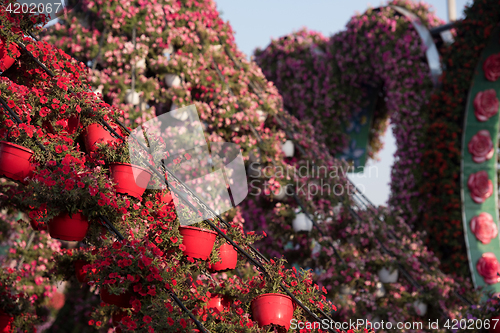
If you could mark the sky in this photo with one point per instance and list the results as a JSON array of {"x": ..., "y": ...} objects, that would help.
[{"x": 256, "y": 22}]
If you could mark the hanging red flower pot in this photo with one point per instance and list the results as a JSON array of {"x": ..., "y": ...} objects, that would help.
[
  {"x": 116, "y": 319},
  {"x": 198, "y": 242},
  {"x": 64, "y": 227},
  {"x": 219, "y": 302},
  {"x": 122, "y": 300},
  {"x": 15, "y": 161},
  {"x": 95, "y": 133},
  {"x": 130, "y": 179},
  {"x": 38, "y": 226},
  {"x": 228, "y": 258},
  {"x": 80, "y": 274},
  {"x": 5, "y": 60},
  {"x": 274, "y": 309},
  {"x": 5, "y": 322}
]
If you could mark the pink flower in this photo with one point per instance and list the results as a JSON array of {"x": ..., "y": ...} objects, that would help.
[
  {"x": 491, "y": 67},
  {"x": 483, "y": 227},
  {"x": 487, "y": 266},
  {"x": 485, "y": 104},
  {"x": 481, "y": 147},
  {"x": 480, "y": 186}
]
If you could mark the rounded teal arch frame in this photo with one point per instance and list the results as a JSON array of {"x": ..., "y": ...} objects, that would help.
[{"x": 470, "y": 208}]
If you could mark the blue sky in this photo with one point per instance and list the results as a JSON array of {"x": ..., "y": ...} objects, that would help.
[{"x": 256, "y": 22}]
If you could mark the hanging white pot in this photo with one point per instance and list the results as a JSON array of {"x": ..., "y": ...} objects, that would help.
[
  {"x": 420, "y": 308},
  {"x": 132, "y": 97},
  {"x": 182, "y": 116},
  {"x": 98, "y": 91},
  {"x": 167, "y": 52},
  {"x": 387, "y": 276},
  {"x": 302, "y": 223},
  {"x": 288, "y": 148},
  {"x": 281, "y": 195},
  {"x": 261, "y": 115},
  {"x": 346, "y": 290},
  {"x": 141, "y": 64},
  {"x": 215, "y": 48},
  {"x": 172, "y": 80},
  {"x": 380, "y": 290}
]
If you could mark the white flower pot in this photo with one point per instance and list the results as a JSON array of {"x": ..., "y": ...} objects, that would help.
[
  {"x": 182, "y": 116},
  {"x": 132, "y": 97},
  {"x": 380, "y": 291},
  {"x": 387, "y": 276},
  {"x": 316, "y": 248},
  {"x": 215, "y": 48},
  {"x": 281, "y": 195},
  {"x": 261, "y": 115},
  {"x": 302, "y": 223},
  {"x": 141, "y": 64},
  {"x": 420, "y": 308},
  {"x": 288, "y": 148},
  {"x": 346, "y": 290},
  {"x": 97, "y": 91},
  {"x": 172, "y": 80},
  {"x": 168, "y": 51}
]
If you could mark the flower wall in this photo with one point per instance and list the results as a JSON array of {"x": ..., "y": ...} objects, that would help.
[
  {"x": 443, "y": 219},
  {"x": 235, "y": 102},
  {"x": 198, "y": 63},
  {"x": 326, "y": 81}
]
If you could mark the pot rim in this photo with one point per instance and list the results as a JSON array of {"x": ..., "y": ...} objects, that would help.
[
  {"x": 131, "y": 165},
  {"x": 272, "y": 294},
  {"x": 17, "y": 146},
  {"x": 198, "y": 228}
]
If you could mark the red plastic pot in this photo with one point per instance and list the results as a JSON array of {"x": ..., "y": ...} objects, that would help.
[
  {"x": 274, "y": 309},
  {"x": 64, "y": 227},
  {"x": 219, "y": 302},
  {"x": 130, "y": 179},
  {"x": 116, "y": 318},
  {"x": 95, "y": 133},
  {"x": 80, "y": 274},
  {"x": 5, "y": 60},
  {"x": 228, "y": 258},
  {"x": 5, "y": 322},
  {"x": 198, "y": 242},
  {"x": 15, "y": 161},
  {"x": 122, "y": 300}
]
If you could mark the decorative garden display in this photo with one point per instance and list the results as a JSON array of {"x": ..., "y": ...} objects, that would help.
[
  {"x": 68, "y": 228},
  {"x": 145, "y": 252},
  {"x": 130, "y": 179}
]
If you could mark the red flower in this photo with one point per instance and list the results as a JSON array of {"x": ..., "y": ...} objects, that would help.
[
  {"x": 481, "y": 146},
  {"x": 147, "y": 319},
  {"x": 485, "y": 104},
  {"x": 480, "y": 186},
  {"x": 483, "y": 227},
  {"x": 487, "y": 266},
  {"x": 170, "y": 321},
  {"x": 174, "y": 239},
  {"x": 93, "y": 190},
  {"x": 491, "y": 67},
  {"x": 70, "y": 183},
  {"x": 183, "y": 323}
]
